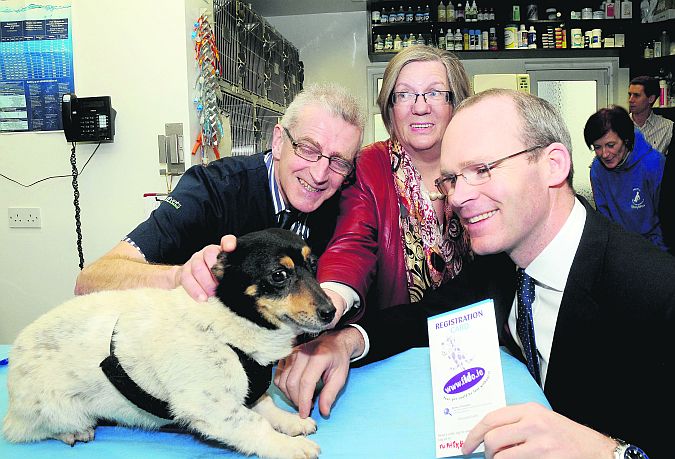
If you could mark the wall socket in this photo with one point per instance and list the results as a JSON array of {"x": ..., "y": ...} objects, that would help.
[{"x": 24, "y": 217}]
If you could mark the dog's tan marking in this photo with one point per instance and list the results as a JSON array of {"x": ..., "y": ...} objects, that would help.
[
  {"x": 212, "y": 378},
  {"x": 287, "y": 262},
  {"x": 218, "y": 269},
  {"x": 300, "y": 307},
  {"x": 306, "y": 252}
]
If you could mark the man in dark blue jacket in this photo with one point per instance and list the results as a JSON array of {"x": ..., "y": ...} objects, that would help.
[{"x": 312, "y": 155}]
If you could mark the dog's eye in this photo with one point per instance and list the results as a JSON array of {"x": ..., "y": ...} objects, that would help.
[{"x": 279, "y": 276}]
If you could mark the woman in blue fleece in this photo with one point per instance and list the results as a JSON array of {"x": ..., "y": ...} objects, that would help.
[{"x": 626, "y": 173}]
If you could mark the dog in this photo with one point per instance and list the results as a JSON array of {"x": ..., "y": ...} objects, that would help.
[{"x": 204, "y": 366}]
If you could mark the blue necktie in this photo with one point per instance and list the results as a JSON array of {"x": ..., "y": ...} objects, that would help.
[{"x": 525, "y": 324}]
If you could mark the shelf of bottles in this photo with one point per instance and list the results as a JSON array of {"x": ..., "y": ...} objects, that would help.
[
  {"x": 657, "y": 58},
  {"x": 473, "y": 31}
]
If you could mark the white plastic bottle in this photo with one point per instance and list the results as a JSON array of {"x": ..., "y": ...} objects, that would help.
[
  {"x": 379, "y": 44},
  {"x": 388, "y": 43},
  {"x": 409, "y": 15},
  {"x": 440, "y": 15},
  {"x": 384, "y": 16},
  {"x": 450, "y": 12},
  {"x": 441, "y": 39},
  {"x": 397, "y": 43},
  {"x": 450, "y": 40},
  {"x": 474, "y": 12},
  {"x": 419, "y": 14},
  {"x": 459, "y": 41},
  {"x": 532, "y": 38}
]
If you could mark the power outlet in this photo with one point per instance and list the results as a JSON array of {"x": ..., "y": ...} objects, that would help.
[{"x": 24, "y": 217}]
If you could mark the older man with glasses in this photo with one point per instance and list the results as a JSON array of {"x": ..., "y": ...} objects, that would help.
[{"x": 294, "y": 185}]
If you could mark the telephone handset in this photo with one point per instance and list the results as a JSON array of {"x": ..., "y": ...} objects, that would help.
[{"x": 88, "y": 119}]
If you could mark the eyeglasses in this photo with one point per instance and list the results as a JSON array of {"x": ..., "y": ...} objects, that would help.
[
  {"x": 309, "y": 153},
  {"x": 435, "y": 97},
  {"x": 475, "y": 174}
]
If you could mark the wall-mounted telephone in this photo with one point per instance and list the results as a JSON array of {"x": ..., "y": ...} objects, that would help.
[{"x": 88, "y": 119}]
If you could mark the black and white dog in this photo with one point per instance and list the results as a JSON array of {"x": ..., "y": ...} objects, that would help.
[{"x": 152, "y": 357}]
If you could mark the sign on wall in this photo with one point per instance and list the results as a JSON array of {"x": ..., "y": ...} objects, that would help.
[{"x": 36, "y": 64}]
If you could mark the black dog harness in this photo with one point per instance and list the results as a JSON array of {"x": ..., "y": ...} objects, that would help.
[{"x": 259, "y": 380}]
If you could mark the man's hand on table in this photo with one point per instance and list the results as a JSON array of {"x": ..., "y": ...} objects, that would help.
[{"x": 326, "y": 357}]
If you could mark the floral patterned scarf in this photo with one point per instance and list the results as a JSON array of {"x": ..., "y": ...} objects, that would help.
[{"x": 434, "y": 251}]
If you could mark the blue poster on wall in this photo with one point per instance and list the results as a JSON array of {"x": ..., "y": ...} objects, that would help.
[{"x": 36, "y": 64}]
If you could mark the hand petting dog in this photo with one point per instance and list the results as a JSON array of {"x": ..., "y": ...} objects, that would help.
[{"x": 152, "y": 357}]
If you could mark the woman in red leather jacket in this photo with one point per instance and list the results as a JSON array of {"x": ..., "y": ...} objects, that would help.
[{"x": 394, "y": 237}]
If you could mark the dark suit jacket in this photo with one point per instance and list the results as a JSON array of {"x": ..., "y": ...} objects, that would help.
[
  {"x": 611, "y": 362},
  {"x": 667, "y": 199},
  {"x": 229, "y": 196}
]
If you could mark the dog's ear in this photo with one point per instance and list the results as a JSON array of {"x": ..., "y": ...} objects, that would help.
[{"x": 221, "y": 265}]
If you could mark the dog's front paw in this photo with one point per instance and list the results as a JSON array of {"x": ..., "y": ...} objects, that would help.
[
  {"x": 284, "y": 421},
  {"x": 294, "y": 425},
  {"x": 299, "y": 448},
  {"x": 70, "y": 438}
]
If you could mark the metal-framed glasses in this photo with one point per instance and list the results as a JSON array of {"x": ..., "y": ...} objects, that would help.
[
  {"x": 433, "y": 97},
  {"x": 309, "y": 153},
  {"x": 475, "y": 174}
]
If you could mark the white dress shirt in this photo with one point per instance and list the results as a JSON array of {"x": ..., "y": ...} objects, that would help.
[
  {"x": 550, "y": 270},
  {"x": 658, "y": 131}
]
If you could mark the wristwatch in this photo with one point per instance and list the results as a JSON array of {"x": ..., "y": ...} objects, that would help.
[{"x": 624, "y": 450}]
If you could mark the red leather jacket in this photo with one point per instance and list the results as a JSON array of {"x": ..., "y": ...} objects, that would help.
[{"x": 366, "y": 248}]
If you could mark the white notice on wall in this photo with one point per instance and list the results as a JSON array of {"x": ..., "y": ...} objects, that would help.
[{"x": 466, "y": 372}]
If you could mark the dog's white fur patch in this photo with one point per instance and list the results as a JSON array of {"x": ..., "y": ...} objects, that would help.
[{"x": 175, "y": 348}]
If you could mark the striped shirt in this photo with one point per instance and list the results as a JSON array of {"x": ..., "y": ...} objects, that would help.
[
  {"x": 299, "y": 227},
  {"x": 658, "y": 131}
]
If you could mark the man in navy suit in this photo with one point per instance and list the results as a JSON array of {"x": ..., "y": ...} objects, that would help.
[{"x": 604, "y": 299}]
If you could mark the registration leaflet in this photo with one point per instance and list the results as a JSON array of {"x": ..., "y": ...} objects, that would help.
[{"x": 466, "y": 372}]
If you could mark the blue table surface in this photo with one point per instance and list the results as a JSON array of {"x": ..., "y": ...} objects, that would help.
[{"x": 385, "y": 411}]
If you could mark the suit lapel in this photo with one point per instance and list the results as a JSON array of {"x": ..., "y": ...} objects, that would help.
[{"x": 578, "y": 305}]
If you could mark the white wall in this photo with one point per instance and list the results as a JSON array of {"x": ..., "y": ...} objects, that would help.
[
  {"x": 332, "y": 46},
  {"x": 141, "y": 54}
]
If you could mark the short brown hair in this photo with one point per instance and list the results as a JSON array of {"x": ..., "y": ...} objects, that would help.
[
  {"x": 650, "y": 84},
  {"x": 541, "y": 123}
]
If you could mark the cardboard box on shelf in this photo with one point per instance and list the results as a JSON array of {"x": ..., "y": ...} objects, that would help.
[{"x": 664, "y": 10}]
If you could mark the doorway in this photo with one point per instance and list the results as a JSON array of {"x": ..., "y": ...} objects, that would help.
[{"x": 577, "y": 94}]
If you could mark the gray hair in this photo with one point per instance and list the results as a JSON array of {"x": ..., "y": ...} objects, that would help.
[
  {"x": 457, "y": 78},
  {"x": 542, "y": 123},
  {"x": 335, "y": 99}
]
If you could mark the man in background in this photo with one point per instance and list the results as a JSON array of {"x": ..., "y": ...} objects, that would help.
[
  {"x": 642, "y": 93},
  {"x": 294, "y": 185}
]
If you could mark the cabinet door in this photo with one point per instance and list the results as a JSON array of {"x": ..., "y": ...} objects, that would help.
[{"x": 577, "y": 94}]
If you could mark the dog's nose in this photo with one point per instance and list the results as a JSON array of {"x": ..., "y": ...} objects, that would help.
[{"x": 326, "y": 313}]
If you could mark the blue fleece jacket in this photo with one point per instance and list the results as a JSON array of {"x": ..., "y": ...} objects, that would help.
[{"x": 629, "y": 193}]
